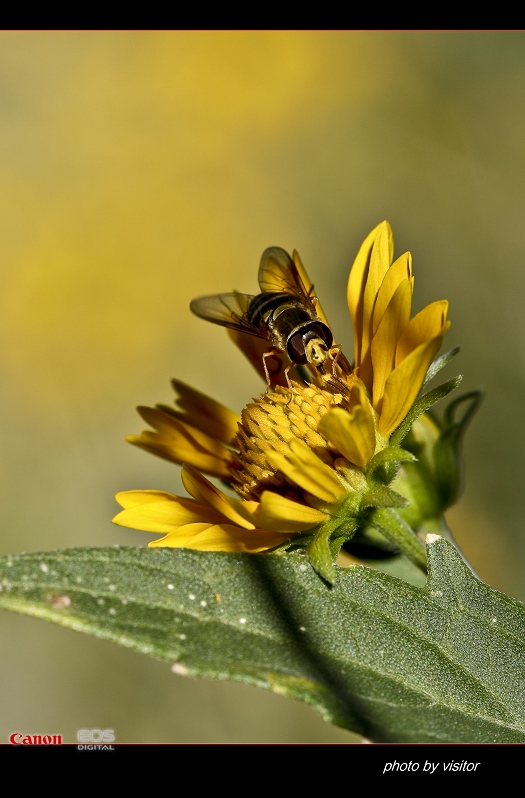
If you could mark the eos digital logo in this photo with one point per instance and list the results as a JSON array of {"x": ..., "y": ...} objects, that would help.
[{"x": 95, "y": 739}]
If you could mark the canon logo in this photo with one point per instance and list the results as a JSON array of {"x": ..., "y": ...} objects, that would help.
[{"x": 35, "y": 739}]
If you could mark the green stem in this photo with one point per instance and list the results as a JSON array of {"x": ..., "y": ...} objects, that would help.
[{"x": 392, "y": 526}]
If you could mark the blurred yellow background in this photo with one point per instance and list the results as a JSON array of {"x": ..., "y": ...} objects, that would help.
[{"x": 141, "y": 169}]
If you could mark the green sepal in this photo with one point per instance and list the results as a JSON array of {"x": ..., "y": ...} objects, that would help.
[
  {"x": 434, "y": 481},
  {"x": 320, "y": 553},
  {"x": 447, "y": 449},
  {"x": 384, "y": 465},
  {"x": 421, "y": 405},
  {"x": 392, "y": 454},
  {"x": 383, "y": 496},
  {"x": 343, "y": 534},
  {"x": 326, "y": 542},
  {"x": 438, "y": 364}
]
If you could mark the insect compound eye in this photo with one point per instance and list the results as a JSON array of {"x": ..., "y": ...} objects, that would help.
[{"x": 295, "y": 349}]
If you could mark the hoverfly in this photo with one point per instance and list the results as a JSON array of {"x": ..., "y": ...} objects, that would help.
[{"x": 285, "y": 313}]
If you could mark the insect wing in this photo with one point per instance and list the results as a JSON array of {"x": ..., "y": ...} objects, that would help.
[
  {"x": 228, "y": 310},
  {"x": 279, "y": 272}
]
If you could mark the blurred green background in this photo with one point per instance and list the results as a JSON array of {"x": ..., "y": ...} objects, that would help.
[{"x": 141, "y": 169}]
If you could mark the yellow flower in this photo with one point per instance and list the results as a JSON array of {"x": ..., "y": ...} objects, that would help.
[
  {"x": 310, "y": 462},
  {"x": 289, "y": 475}
]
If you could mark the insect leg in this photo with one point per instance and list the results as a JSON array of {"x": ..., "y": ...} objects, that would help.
[
  {"x": 290, "y": 386},
  {"x": 271, "y": 353},
  {"x": 337, "y": 349},
  {"x": 339, "y": 359}
]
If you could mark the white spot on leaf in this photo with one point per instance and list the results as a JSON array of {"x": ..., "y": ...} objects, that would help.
[{"x": 58, "y": 602}]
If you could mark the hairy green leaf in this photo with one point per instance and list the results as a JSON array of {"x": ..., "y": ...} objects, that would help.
[{"x": 374, "y": 654}]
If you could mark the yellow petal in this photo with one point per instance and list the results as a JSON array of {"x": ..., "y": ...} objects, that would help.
[
  {"x": 158, "y": 511},
  {"x": 356, "y": 288},
  {"x": 280, "y": 514},
  {"x": 399, "y": 271},
  {"x": 205, "y": 413},
  {"x": 302, "y": 466},
  {"x": 404, "y": 383},
  {"x": 380, "y": 260},
  {"x": 202, "y": 490},
  {"x": 220, "y": 537},
  {"x": 132, "y": 498},
  {"x": 425, "y": 325},
  {"x": 352, "y": 432},
  {"x": 384, "y": 344},
  {"x": 179, "y": 442}
]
